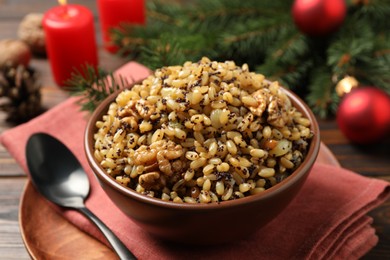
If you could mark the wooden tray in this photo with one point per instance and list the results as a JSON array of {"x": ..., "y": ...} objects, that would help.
[{"x": 47, "y": 235}]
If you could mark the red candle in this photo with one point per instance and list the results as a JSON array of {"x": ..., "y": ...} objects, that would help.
[
  {"x": 70, "y": 40},
  {"x": 115, "y": 12}
]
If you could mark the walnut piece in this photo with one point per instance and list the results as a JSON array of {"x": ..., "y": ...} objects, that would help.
[
  {"x": 31, "y": 32},
  {"x": 14, "y": 53}
]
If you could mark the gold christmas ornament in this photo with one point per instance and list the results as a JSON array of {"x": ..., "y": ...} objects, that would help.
[{"x": 345, "y": 85}]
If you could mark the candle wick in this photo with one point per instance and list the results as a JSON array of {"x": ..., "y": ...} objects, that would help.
[{"x": 65, "y": 9}]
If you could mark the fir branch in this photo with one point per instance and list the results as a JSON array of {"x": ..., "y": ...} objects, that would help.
[
  {"x": 222, "y": 12},
  {"x": 375, "y": 12},
  {"x": 93, "y": 86},
  {"x": 263, "y": 35},
  {"x": 375, "y": 72},
  {"x": 161, "y": 52},
  {"x": 295, "y": 45},
  {"x": 322, "y": 96}
]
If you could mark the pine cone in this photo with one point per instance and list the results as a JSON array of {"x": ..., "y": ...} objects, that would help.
[{"x": 20, "y": 95}]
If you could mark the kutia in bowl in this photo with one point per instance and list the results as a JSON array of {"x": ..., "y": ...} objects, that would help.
[{"x": 203, "y": 153}]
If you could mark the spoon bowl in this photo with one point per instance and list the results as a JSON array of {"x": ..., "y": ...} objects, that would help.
[
  {"x": 67, "y": 185},
  {"x": 57, "y": 174}
]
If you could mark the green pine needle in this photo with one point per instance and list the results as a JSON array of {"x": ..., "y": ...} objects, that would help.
[
  {"x": 93, "y": 86},
  {"x": 263, "y": 35}
]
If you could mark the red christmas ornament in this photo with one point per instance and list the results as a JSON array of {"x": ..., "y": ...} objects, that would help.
[
  {"x": 364, "y": 115},
  {"x": 318, "y": 17}
]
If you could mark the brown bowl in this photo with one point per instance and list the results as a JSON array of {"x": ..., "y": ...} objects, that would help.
[{"x": 203, "y": 223}]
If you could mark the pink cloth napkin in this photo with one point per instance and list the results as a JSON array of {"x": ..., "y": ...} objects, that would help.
[{"x": 326, "y": 220}]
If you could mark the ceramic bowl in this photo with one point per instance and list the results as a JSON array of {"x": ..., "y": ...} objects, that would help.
[{"x": 207, "y": 224}]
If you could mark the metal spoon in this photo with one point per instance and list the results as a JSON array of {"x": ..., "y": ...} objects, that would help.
[{"x": 57, "y": 175}]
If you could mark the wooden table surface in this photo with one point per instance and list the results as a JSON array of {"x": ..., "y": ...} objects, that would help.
[{"x": 373, "y": 161}]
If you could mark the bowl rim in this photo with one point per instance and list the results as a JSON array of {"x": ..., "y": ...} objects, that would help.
[{"x": 301, "y": 171}]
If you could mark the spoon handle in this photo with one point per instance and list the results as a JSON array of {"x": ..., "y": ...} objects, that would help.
[{"x": 118, "y": 246}]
